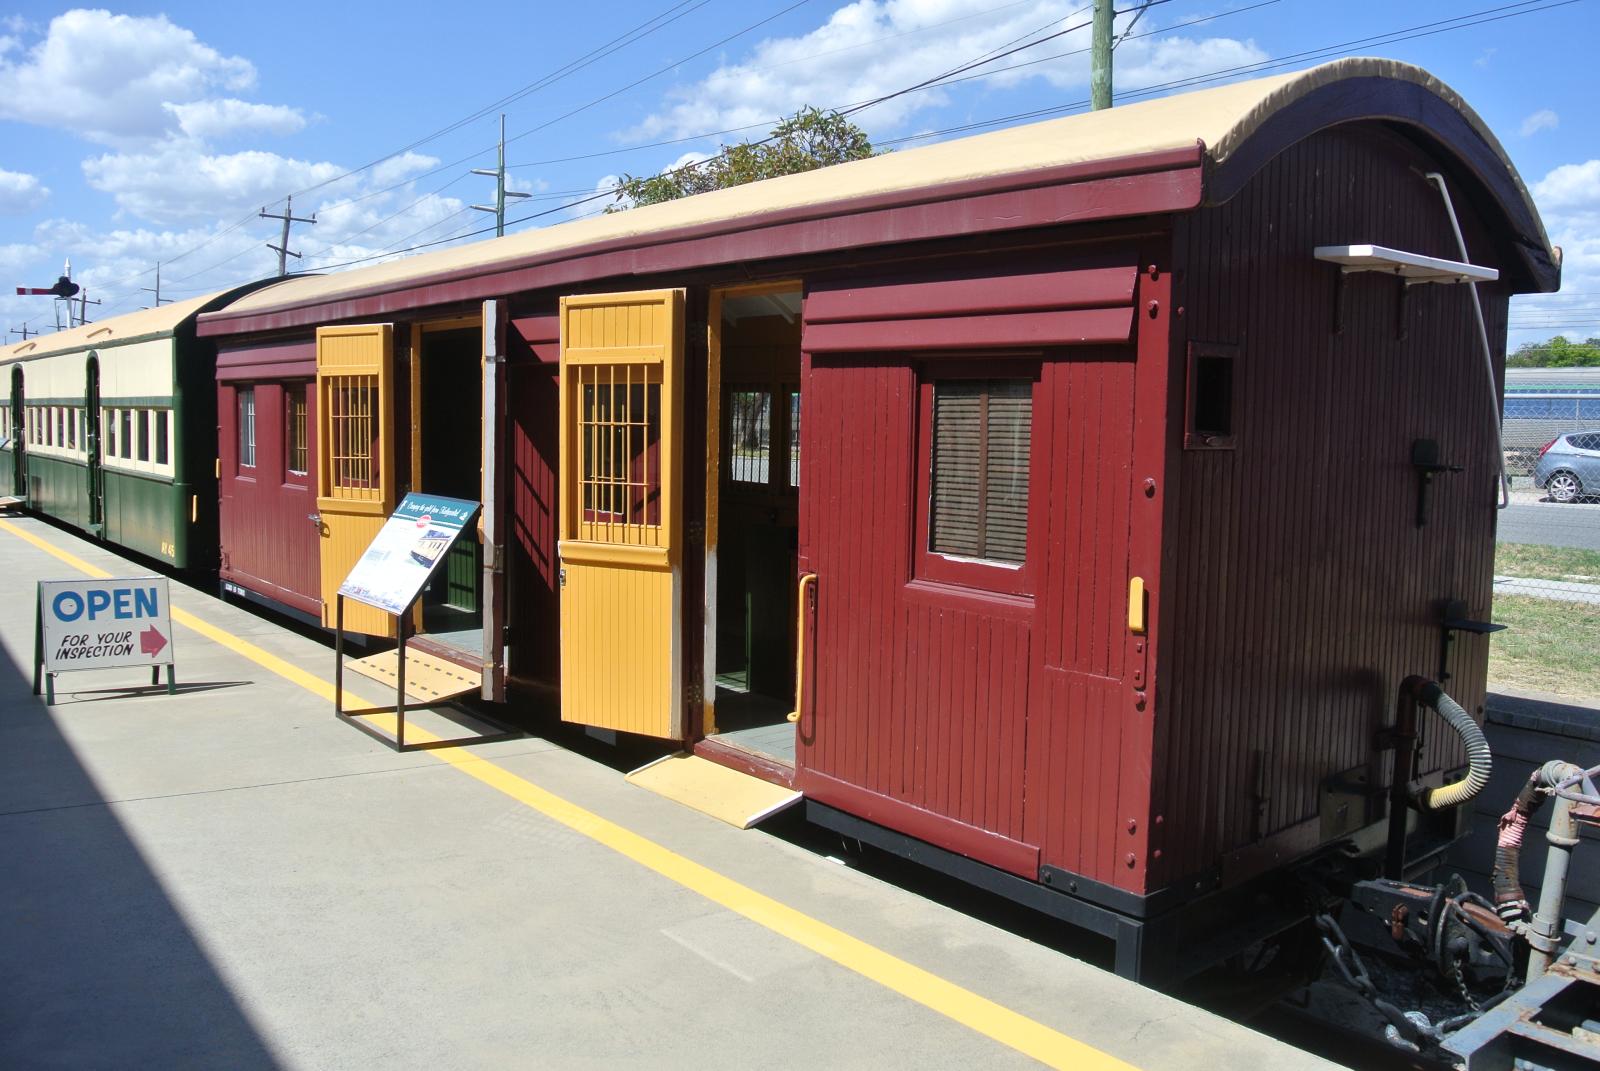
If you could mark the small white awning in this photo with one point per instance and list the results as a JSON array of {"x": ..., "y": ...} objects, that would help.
[{"x": 1412, "y": 267}]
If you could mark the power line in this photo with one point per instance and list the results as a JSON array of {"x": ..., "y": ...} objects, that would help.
[
  {"x": 1425, "y": 30},
  {"x": 1485, "y": 16},
  {"x": 660, "y": 21},
  {"x": 644, "y": 29},
  {"x": 767, "y": 124}
]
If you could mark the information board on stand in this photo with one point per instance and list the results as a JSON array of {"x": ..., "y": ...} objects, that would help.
[
  {"x": 102, "y": 624},
  {"x": 407, "y": 549},
  {"x": 391, "y": 575}
]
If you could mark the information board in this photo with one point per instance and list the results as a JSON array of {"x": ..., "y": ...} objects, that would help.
[
  {"x": 406, "y": 551},
  {"x": 101, "y": 624}
]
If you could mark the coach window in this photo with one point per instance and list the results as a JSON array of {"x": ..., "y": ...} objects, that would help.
[
  {"x": 294, "y": 432},
  {"x": 163, "y": 419},
  {"x": 247, "y": 427},
  {"x": 976, "y": 436},
  {"x": 142, "y": 419}
]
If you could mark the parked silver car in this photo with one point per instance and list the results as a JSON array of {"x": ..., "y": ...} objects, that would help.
[{"x": 1569, "y": 467}]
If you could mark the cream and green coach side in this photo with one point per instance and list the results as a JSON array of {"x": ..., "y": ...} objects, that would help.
[{"x": 111, "y": 429}]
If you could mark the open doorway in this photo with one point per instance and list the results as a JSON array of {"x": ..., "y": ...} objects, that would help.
[
  {"x": 450, "y": 463},
  {"x": 753, "y": 635}
]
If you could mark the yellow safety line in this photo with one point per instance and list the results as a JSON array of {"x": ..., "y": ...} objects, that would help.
[{"x": 1009, "y": 1028}]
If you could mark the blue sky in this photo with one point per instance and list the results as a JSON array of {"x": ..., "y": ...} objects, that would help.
[{"x": 156, "y": 132}]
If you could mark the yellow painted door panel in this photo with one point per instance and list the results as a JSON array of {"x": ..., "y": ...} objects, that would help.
[
  {"x": 620, "y": 511},
  {"x": 355, "y": 458}
]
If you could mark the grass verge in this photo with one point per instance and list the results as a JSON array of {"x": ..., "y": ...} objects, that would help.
[
  {"x": 1550, "y": 646},
  {"x": 1535, "y": 562}
]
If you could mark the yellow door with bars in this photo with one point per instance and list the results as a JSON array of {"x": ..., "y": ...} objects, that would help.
[
  {"x": 355, "y": 458},
  {"x": 620, "y": 511}
]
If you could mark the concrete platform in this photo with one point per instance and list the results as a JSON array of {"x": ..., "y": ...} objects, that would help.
[{"x": 230, "y": 878}]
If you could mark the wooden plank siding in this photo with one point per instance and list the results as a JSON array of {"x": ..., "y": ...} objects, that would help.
[
  {"x": 1299, "y": 589},
  {"x": 268, "y": 544},
  {"x": 985, "y": 721}
]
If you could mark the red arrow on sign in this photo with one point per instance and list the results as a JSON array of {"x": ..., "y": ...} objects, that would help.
[{"x": 151, "y": 641}]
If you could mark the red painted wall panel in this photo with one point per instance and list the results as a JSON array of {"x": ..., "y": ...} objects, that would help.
[
  {"x": 972, "y": 710},
  {"x": 1298, "y": 588},
  {"x": 268, "y": 544},
  {"x": 1078, "y": 755}
]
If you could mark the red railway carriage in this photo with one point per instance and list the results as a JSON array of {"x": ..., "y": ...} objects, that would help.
[{"x": 1086, "y": 489}]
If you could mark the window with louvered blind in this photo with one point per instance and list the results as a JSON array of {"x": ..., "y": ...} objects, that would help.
[{"x": 975, "y": 434}]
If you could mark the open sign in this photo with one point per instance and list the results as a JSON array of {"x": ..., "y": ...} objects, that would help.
[{"x": 103, "y": 624}]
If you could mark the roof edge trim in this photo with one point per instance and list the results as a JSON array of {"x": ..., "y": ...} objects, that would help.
[{"x": 1188, "y": 157}]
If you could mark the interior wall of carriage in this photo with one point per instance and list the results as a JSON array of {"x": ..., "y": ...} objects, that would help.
[
  {"x": 971, "y": 441},
  {"x": 750, "y": 638},
  {"x": 1308, "y": 568}
]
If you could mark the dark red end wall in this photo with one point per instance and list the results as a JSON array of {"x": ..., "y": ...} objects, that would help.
[{"x": 1298, "y": 589}]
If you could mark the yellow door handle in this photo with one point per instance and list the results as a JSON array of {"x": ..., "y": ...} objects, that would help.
[
  {"x": 1136, "y": 604},
  {"x": 800, "y": 648}
]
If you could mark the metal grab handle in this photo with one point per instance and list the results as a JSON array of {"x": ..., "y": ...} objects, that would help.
[{"x": 800, "y": 649}]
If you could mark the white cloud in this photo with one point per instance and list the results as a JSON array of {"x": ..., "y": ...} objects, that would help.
[
  {"x": 1569, "y": 201},
  {"x": 20, "y": 192},
  {"x": 208, "y": 119},
  {"x": 1543, "y": 119},
  {"x": 1570, "y": 187},
  {"x": 109, "y": 77},
  {"x": 871, "y": 48},
  {"x": 179, "y": 182}
]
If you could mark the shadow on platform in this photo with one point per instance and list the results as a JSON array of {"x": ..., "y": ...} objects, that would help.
[{"x": 98, "y": 967}]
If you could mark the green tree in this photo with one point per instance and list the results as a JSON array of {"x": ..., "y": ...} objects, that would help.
[
  {"x": 1558, "y": 352},
  {"x": 807, "y": 140}
]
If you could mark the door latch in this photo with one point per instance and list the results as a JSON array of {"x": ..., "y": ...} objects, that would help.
[
  {"x": 563, "y": 578},
  {"x": 316, "y": 519}
]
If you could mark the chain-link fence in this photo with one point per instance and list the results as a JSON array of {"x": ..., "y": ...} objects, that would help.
[{"x": 1547, "y": 563}]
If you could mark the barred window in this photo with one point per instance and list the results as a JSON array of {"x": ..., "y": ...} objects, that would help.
[
  {"x": 247, "y": 427},
  {"x": 750, "y": 436},
  {"x": 982, "y": 438}
]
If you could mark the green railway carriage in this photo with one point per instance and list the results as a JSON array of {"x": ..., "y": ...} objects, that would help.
[{"x": 111, "y": 429}]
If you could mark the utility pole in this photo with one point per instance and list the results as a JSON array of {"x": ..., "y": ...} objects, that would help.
[
  {"x": 83, "y": 307},
  {"x": 1100, "y": 56},
  {"x": 500, "y": 191},
  {"x": 23, "y": 331},
  {"x": 156, "y": 290},
  {"x": 288, "y": 217}
]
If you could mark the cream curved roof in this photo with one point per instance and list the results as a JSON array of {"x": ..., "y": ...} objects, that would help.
[
  {"x": 114, "y": 330},
  {"x": 1222, "y": 119}
]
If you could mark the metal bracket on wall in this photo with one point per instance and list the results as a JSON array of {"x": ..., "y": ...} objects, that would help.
[
  {"x": 1425, "y": 459},
  {"x": 1454, "y": 619}
]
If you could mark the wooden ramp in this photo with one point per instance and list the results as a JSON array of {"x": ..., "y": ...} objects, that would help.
[
  {"x": 736, "y": 798},
  {"x": 428, "y": 679}
]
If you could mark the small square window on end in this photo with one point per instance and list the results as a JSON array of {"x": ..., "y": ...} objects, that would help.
[{"x": 1211, "y": 413}]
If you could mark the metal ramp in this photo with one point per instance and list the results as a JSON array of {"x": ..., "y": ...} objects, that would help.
[
  {"x": 428, "y": 678},
  {"x": 711, "y": 788}
]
